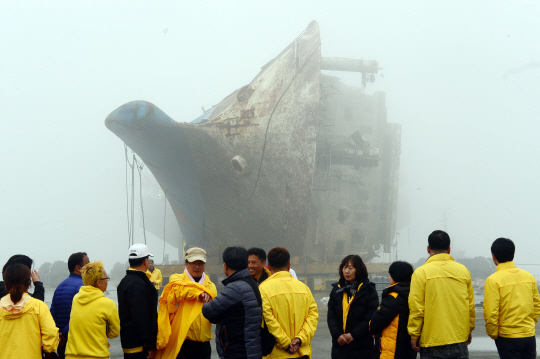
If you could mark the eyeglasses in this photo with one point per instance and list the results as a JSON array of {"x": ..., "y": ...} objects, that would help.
[
  {"x": 106, "y": 278},
  {"x": 197, "y": 264}
]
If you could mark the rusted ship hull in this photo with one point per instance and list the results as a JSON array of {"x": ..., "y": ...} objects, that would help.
[{"x": 250, "y": 170}]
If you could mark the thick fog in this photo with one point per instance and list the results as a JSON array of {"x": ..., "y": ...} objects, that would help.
[{"x": 462, "y": 78}]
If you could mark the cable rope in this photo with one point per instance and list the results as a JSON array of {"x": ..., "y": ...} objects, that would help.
[
  {"x": 127, "y": 195},
  {"x": 164, "y": 222},
  {"x": 133, "y": 199},
  {"x": 272, "y": 114},
  {"x": 140, "y": 167}
]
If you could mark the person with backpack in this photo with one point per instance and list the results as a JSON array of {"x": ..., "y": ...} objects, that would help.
[{"x": 389, "y": 322}]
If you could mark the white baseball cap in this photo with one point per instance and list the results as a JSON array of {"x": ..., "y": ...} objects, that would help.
[{"x": 138, "y": 250}]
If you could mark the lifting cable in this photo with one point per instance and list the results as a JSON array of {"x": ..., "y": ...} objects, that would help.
[
  {"x": 129, "y": 223},
  {"x": 140, "y": 166},
  {"x": 130, "y": 206},
  {"x": 164, "y": 221}
]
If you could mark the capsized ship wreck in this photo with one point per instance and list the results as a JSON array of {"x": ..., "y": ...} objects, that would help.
[{"x": 295, "y": 158}]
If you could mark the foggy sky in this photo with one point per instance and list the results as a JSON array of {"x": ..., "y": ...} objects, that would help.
[{"x": 458, "y": 77}]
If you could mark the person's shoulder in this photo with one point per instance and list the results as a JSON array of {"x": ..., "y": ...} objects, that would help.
[
  {"x": 38, "y": 306},
  {"x": 461, "y": 267},
  {"x": 104, "y": 301},
  {"x": 302, "y": 285}
]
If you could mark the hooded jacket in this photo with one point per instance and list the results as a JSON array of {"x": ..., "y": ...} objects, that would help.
[
  {"x": 180, "y": 315},
  {"x": 237, "y": 311},
  {"x": 22, "y": 333},
  {"x": 94, "y": 318},
  {"x": 511, "y": 302},
  {"x": 390, "y": 323},
  {"x": 361, "y": 309},
  {"x": 137, "y": 308},
  {"x": 290, "y": 311},
  {"x": 62, "y": 300},
  {"x": 441, "y": 302}
]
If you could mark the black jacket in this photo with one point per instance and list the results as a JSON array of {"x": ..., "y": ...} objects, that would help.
[
  {"x": 39, "y": 291},
  {"x": 390, "y": 308},
  {"x": 362, "y": 307},
  {"x": 137, "y": 308},
  {"x": 237, "y": 311}
]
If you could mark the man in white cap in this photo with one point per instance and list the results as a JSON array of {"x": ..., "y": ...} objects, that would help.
[
  {"x": 137, "y": 307},
  {"x": 194, "y": 332}
]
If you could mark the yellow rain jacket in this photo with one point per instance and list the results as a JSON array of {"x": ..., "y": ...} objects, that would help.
[
  {"x": 93, "y": 319},
  {"x": 180, "y": 314},
  {"x": 155, "y": 276},
  {"x": 22, "y": 333},
  {"x": 441, "y": 302},
  {"x": 289, "y": 311},
  {"x": 511, "y": 302}
]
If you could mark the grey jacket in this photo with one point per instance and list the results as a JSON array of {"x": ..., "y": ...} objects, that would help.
[{"x": 237, "y": 311}]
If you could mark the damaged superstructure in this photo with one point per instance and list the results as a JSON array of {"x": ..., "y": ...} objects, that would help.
[{"x": 295, "y": 159}]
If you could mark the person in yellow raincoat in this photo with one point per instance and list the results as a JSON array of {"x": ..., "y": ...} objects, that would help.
[
  {"x": 441, "y": 303},
  {"x": 155, "y": 274},
  {"x": 25, "y": 322},
  {"x": 183, "y": 332},
  {"x": 511, "y": 304},
  {"x": 289, "y": 309}
]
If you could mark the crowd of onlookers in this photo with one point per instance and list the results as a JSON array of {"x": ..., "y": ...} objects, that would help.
[{"x": 264, "y": 311}]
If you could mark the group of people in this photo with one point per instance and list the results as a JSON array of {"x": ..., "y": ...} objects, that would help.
[{"x": 264, "y": 311}]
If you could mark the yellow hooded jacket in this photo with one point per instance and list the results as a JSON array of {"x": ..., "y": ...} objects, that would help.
[
  {"x": 155, "y": 276},
  {"x": 290, "y": 311},
  {"x": 22, "y": 333},
  {"x": 511, "y": 302},
  {"x": 180, "y": 314},
  {"x": 94, "y": 318},
  {"x": 441, "y": 302}
]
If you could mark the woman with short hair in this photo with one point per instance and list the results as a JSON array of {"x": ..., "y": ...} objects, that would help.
[
  {"x": 94, "y": 318},
  {"x": 351, "y": 305},
  {"x": 25, "y": 322}
]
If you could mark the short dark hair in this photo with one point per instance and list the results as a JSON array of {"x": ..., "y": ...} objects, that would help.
[
  {"x": 136, "y": 262},
  {"x": 18, "y": 258},
  {"x": 259, "y": 252},
  {"x": 358, "y": 264},
  {"x": 235, "y": 257},
  {"x": 76, "y": 259},
  {"x": 439, "y": 240},
  {"x": 16, "y": 280},
  {"x": 278, "y": 257},
  {"x": 503, "y": 249},
  {"x": 401, "y": 271}
]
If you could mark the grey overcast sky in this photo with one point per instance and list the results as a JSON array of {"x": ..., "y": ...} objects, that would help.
[{"x": 461, "y": 77}]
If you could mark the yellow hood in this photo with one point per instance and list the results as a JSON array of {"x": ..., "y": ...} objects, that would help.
[
  {"x": 87, "y": 294},
  {"x": 30, "y": 308}
]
